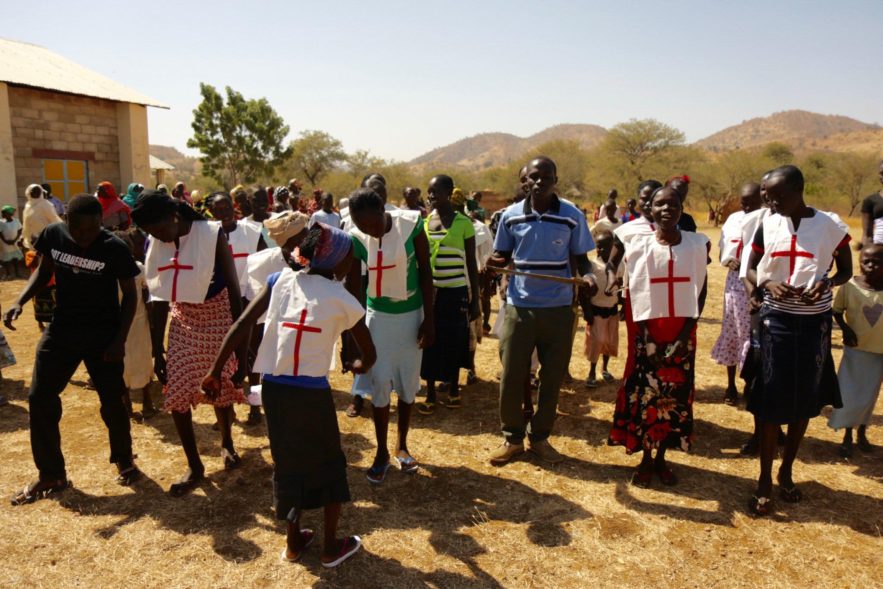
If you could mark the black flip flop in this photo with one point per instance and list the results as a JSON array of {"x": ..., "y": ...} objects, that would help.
[
  {"x": 182, "y": 488},
  {"x": 127, "y": 476},
  {"x": 30, "y": 495}
]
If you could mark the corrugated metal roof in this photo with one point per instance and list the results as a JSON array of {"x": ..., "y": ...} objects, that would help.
[
  {"x": 31, "y": 65},
  {"x": 158, "y": 164}
]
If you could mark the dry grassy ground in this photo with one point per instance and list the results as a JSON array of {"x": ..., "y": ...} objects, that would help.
[{"x": 459, "y": 522}]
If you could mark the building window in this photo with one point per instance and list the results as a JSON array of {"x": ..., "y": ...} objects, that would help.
[{"x": 66, "y": 177}]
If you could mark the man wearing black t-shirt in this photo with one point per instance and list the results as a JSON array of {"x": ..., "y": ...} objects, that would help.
[{"x": 90, "y": 325}]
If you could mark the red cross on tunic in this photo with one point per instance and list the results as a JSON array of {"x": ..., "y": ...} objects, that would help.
[
  {"x": 177, "y": 268},
  {"x": 379, "y": 268},
  {"x": 792, "y": 254},
  {"x": 738, "y": 248},
  {"x": 301, "y": 327},
  {"x": 670, "y": 279},
  {"x": 235, "y": 255}
]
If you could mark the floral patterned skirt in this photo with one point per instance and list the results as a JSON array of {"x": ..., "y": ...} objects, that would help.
[
  {"x": 196, "y": 333},
  {"x": 654, "y": 405}
]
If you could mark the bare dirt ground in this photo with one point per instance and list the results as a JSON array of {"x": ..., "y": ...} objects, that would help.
[{"x": 459, "y": 522}]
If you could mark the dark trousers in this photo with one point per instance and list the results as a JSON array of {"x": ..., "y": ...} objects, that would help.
[
  {"x": 54, "y": 365},
  {"x": 487, "y": 285},
  {"x": 549, "y": 330}
]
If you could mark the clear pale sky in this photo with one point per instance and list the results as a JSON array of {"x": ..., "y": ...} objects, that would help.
[{"x": 402, "y": 77}]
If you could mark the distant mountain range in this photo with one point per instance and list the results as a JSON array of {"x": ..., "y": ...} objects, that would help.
[
  {"x": 801, "y": 130},
  {"x": 489, "y": 150}
]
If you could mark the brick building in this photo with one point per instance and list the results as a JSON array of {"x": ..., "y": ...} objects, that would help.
[{"x": 63, "y": 124}]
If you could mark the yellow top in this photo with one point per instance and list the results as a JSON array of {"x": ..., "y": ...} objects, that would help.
[{"x": 863, "y": 309}]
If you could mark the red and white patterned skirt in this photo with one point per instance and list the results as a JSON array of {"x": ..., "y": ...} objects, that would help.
[{"x": 195, "y": 336}]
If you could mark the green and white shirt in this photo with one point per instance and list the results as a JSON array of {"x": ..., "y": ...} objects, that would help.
[{"x": 447, "y": 249}]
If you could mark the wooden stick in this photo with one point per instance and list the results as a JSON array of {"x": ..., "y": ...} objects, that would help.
[{"x": 561, "y": 279}]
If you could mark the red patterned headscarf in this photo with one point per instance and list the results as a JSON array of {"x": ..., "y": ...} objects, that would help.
[
  {"x": 110, "y": 195},
  {"x": 333, "y": 246}
]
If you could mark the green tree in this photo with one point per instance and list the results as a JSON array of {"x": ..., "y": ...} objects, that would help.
[
  {"x": 240, "y": 140},
  {"x": 719, "y": 180},
  {"x": 315, "y": 154},
  {"x": 853, "y": 178},
  {"x": 779, "y": 153},
  {"x": 634, "y": 143}
]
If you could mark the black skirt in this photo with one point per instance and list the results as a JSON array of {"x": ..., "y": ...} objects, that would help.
[
  {"x": 309, "y": 466},
  {"x": 450, "y": 351},
  {"x": 794, "y": 375}
]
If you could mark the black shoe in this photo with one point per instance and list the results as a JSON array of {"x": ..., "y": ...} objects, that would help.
[
  {"x": 731, "y": 397},
  {"x": 751, "y": 447}
]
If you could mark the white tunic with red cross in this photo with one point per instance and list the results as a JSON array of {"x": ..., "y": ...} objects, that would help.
[
  {"x": 182, "y": 274},
  {"x": 665, "y": 281},
  {"x": 731, "y": 243},
  {"x": 626, "y": 232},
  {"x": 387, "y": 257},
  {"x": 750, "y": 224},
  {"x": 799, "y": 258},
  {"x": 261, "y": 265},
  {"x": 640, "y": 226},
  {"x": 242, "y": 242},
  {"x": 306, "y": 316}
]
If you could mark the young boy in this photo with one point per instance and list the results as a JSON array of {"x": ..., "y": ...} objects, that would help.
[
  {"x": 610, "y": 221},
  {"x": 602, "y": 324},
  {"x": 861, "y": 368},
  {"x": 138, "y": 365},
  {"x": 7, "y": 359},
  {"x": 90, "y": 325},
  {"x": 10, "y": 254}
]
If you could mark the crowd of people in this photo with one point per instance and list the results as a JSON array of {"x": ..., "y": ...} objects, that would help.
[{"x": 265, "y": 287}]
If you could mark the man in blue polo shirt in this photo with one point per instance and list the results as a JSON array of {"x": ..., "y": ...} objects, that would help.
[{"x": 542, "y": 235}]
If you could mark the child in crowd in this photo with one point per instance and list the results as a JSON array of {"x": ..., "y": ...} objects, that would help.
[
  {"x": 244, "y": 238},
  {"x": 732, "y": 345},
  {"x": 7, "y": 359},
  {"x": 44, "y": 298},
  {"x": 310, "y": 307},
  {"x": 289, "y": 229},
  {"x": 10, "y": 254},
  {"x": 602, "y": 323},
  {"x": 861, "y": 369},
  {"x": 138, "y": 368}
]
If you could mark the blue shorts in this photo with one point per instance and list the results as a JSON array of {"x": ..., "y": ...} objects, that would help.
[{"x": 398, "y": 358}]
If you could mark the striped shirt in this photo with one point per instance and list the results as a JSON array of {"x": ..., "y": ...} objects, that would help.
[
  {"x": 800, "y": 258},
  {"x": 447, "y": 249}
]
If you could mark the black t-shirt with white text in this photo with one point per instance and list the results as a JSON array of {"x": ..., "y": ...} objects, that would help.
[{"x": 87, "y": 308}]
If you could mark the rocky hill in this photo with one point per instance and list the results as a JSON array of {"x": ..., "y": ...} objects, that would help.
[
  {"x": 488, "y": 150},
  {"x": 800, "y": 129}
]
